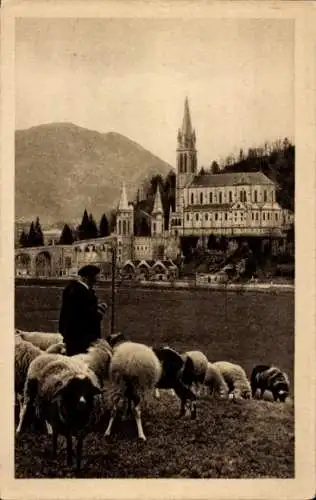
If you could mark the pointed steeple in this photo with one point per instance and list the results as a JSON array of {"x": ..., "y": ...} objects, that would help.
[
  {"x": 157, "y": 203},
  {"x": 123, "y": 203},
  {"x": 186, "y": 123}
]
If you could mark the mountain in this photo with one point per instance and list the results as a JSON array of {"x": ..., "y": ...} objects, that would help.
[{"x": 61, "y": 169}]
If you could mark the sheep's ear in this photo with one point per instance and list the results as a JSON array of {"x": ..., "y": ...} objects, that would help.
[{"x": 114, "y": 338}]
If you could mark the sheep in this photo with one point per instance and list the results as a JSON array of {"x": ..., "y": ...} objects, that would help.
[
  {"x": 236, "y": 379},
  {"x": 215, "y": 382},
  {"x": 24, "y": 354},
  {"x": 197, "y": 375},
  {"x": 42, "y": 340},
  {"x": 134, "y": 370},
  {"x": 59, "y": 348},
  {"x": 173, "y": 366},
  {"x": 97, "y": 358},
  {"x": 64, "y": 390},
  {"x": 270, "y": 378}
]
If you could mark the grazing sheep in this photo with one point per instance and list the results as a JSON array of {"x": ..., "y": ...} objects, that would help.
[
  {"x": 64, "y": 390},
  {"x": 24, "y": 354},
  {"x": 215, "y": 382},
  {"x": 236, "y": 379},
  {"x": 197, "y": 375},
  {"x": 270, "y": 378},
  {"x": 173, "y": 366},
  {"x": 42, "y": 340},
  {"x": 134, "y": 370},
  {"x": 97, "y": 358}
]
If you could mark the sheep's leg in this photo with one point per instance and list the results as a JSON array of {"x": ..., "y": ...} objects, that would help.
[
  {"x": 49, "y": 428},
  {"x": 79, "y": 452},
  {"x": 69, "y": 450},
  {"x": 157, "y": 393},
  {"x": 137, "y": 415},
  {"x": 112, "y": 417},
  {"x": 23, "y": 411}
]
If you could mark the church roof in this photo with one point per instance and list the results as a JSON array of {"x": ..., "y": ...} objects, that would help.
[{"x": 230, "y": 179}]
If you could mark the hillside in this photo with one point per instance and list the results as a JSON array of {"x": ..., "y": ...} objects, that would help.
[{"x": 62, "y": 168}]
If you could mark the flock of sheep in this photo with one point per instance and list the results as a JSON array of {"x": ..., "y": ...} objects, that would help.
[{"x": 65, "y": 391}]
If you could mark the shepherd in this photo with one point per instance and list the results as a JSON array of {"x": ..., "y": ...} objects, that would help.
[{"x": 81, "y": 313}]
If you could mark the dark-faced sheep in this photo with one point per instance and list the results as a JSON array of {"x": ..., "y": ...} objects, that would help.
[
  {"x": 64, "y": 390},
  {"x": 270, "y": 378}
]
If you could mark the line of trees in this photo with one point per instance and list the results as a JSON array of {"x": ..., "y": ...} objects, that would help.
[{"x": 34, "y": 236}]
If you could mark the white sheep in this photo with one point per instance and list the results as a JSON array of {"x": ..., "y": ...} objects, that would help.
[
  {"x": 97, "y": 358},
  {"x": 24, "y": 353},
  {"x": 42, "y": 340},
  {"x": 197, "y": 375},
  {"x": 64, "y": 390},
  {"x": 215, "y": 382},
  {"x": 236, "y": 379},
  {"x": 134, "y": 370},
  {"x": 59, "y": 348}
]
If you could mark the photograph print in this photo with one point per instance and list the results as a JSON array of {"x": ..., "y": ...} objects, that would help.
[{"x": 154, "y": 248}]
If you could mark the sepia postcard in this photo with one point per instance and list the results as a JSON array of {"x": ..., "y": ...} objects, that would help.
[{"x": 158, "y": 249}]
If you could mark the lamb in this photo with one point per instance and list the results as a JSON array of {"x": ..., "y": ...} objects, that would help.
[
  {"x": 215, "y": 382},
  {"x": 236, "y": 379},
  {"x": 134, "y": 370},
  {"x": 64, "y": 390},
  {"x": 270, "y": 378},
  {"x": 42, "y": 340},
  {"x": 173, "y": 365},
  {"x": 197, "y": 375}
]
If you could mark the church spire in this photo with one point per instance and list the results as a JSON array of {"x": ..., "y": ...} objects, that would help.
[
  {"x": 186, "y": 134},
  {"x": 186, "y": 123},
  {"x": 123, "y": 203},
  {"x": 157, "y": 203}
]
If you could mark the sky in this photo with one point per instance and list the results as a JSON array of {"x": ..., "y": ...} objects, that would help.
[{"x": 131, "y": 76}]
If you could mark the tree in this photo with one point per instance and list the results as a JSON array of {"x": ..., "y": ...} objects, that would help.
[
  {"x": 83, "y": 229},
  {"x": 38, "y": 237},
  {"x": 23, "y": 239},
  {"x": 66, "y": 237},
  {"x": 104, "y": 227},
  {"x": 31, "y": 237},
  {"x": 202, "y": 171},
  {"x": 92, "y": 228},
  {"x": 215, "y": 167}
]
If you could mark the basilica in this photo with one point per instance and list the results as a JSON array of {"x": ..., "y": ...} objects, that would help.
[{"x": 233, "y": 205}]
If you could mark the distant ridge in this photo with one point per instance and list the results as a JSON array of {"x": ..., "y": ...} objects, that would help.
[{"x": 62, "y": 168}]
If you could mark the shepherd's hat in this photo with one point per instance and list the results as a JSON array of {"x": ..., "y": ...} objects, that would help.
[{"x": 88, "y": 271}]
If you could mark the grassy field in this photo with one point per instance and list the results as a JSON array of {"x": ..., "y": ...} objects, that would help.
[{"x": 252, "y": 439}]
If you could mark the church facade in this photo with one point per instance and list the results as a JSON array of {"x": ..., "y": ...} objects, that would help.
[{"x": 233, "y": 205}]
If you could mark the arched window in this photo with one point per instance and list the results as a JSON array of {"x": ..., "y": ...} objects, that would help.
[
  {"x": 124, "y": 226},
  {"x": 192, "y": 198},
  {"x": 197, "y": 217},
  {"x": 255, "y": 196},
  {"x": 211, "y": 197},
  {"x": 230, "y": 197},
  {"x": 201, "y": 198},
  {"x": 220, "y": 197},
  {"x": 120, "y": 227},
  {"x": 265, "y": 196},
  {"x": 185, "y": 164}
]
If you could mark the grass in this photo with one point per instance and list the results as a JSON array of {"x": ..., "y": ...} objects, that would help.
[{"x": 228, "y": 440}]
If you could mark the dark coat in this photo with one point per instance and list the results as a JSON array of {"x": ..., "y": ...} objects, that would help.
[{"x": 79, "y": 320}]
